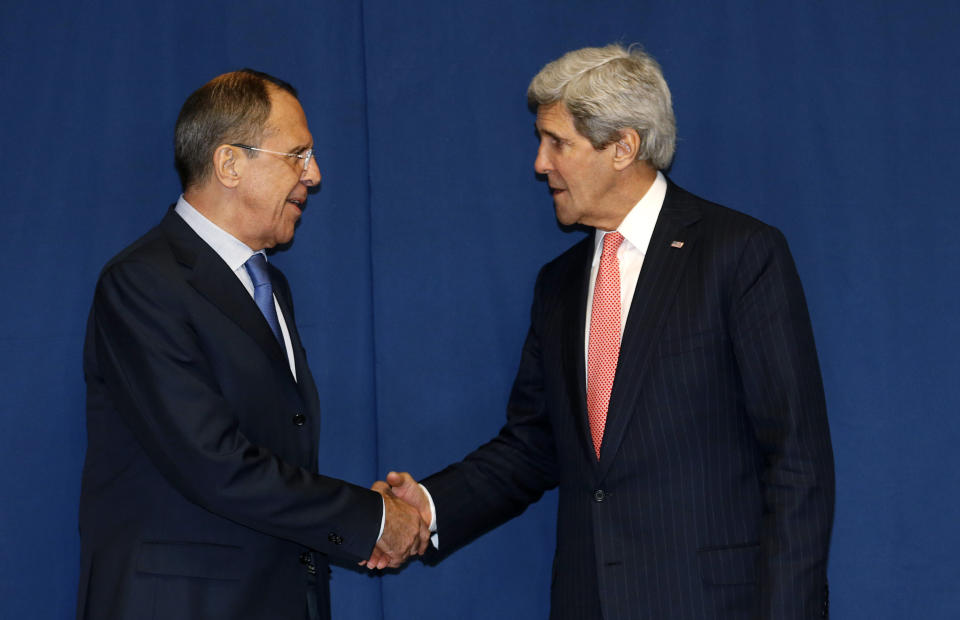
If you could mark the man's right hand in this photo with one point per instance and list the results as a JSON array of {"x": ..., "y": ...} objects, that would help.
[
  {"x": 404, "y": 531},
  {"x": 409, "y": 490}
]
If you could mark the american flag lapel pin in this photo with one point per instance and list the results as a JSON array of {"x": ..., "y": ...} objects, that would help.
[{"x": 676, "y": 244}]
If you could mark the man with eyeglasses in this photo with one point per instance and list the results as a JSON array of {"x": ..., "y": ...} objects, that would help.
[{"x": 201, "y": 496}]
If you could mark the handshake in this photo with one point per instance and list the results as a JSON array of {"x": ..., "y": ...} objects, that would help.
[{"x": 406, "y": 528}]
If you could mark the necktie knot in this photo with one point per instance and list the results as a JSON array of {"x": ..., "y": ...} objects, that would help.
[
  {"x": 611, "y": 243},
  {"x": 256, "y": 267}
]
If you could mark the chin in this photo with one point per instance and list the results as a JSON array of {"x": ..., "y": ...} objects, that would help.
[
  {"x": 286, "y": 235},
  {"x": 565, "y": 219}
]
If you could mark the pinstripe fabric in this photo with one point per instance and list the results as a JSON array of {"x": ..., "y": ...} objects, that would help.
[{"x": 713, "y": 496}]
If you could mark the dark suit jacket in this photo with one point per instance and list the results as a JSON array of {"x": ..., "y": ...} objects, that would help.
[
  {"x": 200, "y": 494},
  {"x": 713, "y": 494}
]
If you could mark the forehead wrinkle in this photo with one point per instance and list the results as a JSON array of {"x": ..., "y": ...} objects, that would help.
[
  {"x": 552, "y": 134},
  {"x": 549, "y": 117},
  {"x": 270, "y": 130},
  {"x": 540, "y": 129}
]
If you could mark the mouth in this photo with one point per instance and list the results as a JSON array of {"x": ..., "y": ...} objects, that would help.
[
  {"x": 555, "y": 191},
  {"x": 299, "y": 203}
]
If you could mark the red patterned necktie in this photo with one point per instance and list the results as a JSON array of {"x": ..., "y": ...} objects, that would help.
[{"x": 604, "y": 337}]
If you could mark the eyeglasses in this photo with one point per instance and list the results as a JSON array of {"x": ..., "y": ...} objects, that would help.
[{"x": 306, "y": 156}]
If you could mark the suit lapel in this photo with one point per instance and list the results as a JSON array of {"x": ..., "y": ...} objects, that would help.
[
  {"x": 656, "y": 289},
  {"x": 304, "y": 379},
  {"x": 211, "y": 277},
  {"x": 286, "y": 306},
  {"x": 573, "y": 318}
]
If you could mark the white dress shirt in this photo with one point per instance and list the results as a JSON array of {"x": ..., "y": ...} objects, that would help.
[{"x": 234, "y": 253}]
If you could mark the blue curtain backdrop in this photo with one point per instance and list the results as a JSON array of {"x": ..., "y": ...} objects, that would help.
[{"x": 413, "y": 268}]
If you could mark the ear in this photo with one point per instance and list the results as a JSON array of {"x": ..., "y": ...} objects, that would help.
[
  {"x": 626, "y": 148},
  {"x": 228, "y": 165}
]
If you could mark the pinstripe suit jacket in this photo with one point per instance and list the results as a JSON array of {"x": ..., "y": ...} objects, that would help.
[{"x": 713, "y": 495}]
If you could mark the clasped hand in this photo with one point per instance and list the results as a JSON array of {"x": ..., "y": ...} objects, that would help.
[{"x": 406, "y": 522}]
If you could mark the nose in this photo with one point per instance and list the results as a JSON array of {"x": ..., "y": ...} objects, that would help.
[
  {"x": 311, "y": 176},
  {"x": 541, "y": 164}
]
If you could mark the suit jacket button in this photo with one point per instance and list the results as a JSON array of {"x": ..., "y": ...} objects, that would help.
[
  {"x": 299, "y": 419},
  {"x": 332, "y": 537},
  {"x": 599, "y": 495},
  {"x": 306, "y": 558}
]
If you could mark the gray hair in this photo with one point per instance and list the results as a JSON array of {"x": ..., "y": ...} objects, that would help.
[{"x": 607, "y": 89}]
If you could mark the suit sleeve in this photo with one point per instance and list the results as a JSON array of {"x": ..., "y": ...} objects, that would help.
[
  {"x": 774, "y": 346},
  {"x": 501, "y": 478},
  {"x": 163, "y": 385}
]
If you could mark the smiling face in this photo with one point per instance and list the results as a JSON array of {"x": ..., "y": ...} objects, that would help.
[
  {"x": 273, "y": 189},
  {"x": 581, "y": 178}
]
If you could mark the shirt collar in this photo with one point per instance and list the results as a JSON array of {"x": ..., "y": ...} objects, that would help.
[
  {"x": 637, "y": 226},
  {"x": 233, "y": 251}
]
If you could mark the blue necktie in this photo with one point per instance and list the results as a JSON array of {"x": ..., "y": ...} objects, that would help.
[{"x": 263, "y": 292}]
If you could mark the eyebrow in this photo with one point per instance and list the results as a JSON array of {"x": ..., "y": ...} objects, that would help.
[{"x": 541, "y": 131}]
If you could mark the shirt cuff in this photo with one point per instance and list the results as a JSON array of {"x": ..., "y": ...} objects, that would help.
[
  {"x": 434, "y": 537},
  {"x": 383, "y": 517}
]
